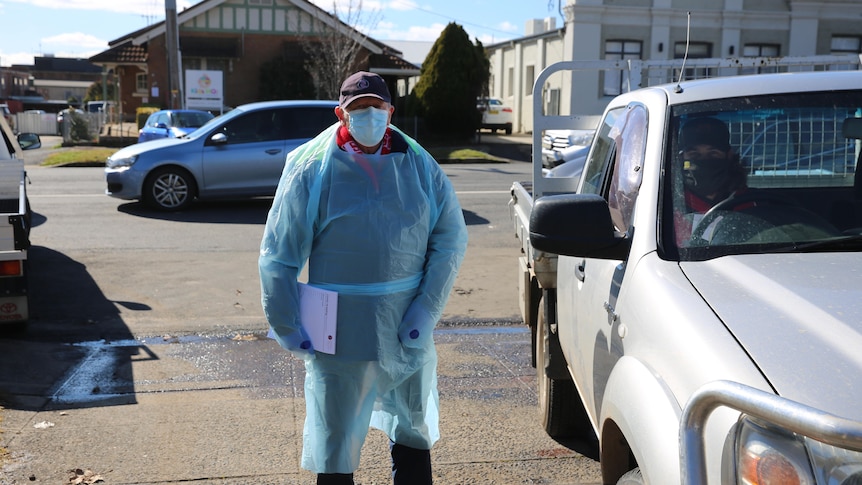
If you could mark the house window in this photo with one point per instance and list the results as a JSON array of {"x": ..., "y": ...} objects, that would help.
[
  {"x": 843, "y": 45},
  {"x": 260, "y": 2},
  {"x": 759, "y": 50},
  {"x": 696, "y": 50},
  {"x": 616, "y": 81},
  {"x": 510, "y": 88},
  {"x": 193, "y": 63},
  {"x": 141, "y": 82},
  {"x": 529, "y": 79}
]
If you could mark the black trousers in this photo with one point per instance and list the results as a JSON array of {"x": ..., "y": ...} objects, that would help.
[{"x": 409, "y": 467}]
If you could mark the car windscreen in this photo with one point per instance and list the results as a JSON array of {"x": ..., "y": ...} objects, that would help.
[{"x": 763, "y": 174}]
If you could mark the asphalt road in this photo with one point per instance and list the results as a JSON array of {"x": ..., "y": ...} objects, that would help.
[{"x": 145, "y": 361}]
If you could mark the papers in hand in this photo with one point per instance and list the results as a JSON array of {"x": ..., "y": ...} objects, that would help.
[{"x": 318, "y": 309}]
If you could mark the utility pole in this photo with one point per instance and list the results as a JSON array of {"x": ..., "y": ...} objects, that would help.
[{"x": 172, "y": 40}]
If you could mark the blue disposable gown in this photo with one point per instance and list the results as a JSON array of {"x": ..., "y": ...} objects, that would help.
[{"x": 387, "y": 233}]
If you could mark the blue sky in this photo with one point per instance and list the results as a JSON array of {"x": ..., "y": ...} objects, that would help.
[{"x": 82, "y": 28}]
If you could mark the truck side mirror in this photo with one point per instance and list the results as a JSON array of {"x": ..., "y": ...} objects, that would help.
[
  {"x": 29, "y": 141},
  {"x": 576, "y": 225}
]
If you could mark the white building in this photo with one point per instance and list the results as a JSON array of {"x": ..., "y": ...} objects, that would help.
[{"x": 657, "y": 30}]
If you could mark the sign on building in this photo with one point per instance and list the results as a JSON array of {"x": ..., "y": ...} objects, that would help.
[{"x": 204, "y": 90}]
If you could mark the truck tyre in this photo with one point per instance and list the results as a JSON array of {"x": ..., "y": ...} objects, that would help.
[
  {"x": 169, "y": 189},
  {"x": 557, "y": 397},
  {"x": 632, "y": 477}
]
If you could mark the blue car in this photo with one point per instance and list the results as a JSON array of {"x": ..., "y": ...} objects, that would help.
[
  {"x": 238, "y": 154},
  {"x": 172, "y": 123}
]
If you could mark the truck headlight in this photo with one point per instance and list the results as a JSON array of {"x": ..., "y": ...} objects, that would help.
[
  {"x": 766, "y": 455},
  {"x": 124, "y": 162},
  {"x": 835, "y": 465}
]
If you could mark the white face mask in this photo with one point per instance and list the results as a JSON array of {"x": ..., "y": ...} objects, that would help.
[{"x": 368, "y": 125}]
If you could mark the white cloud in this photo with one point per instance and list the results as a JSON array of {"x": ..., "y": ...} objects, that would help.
[
  {"x": 416, "y": 32},
  {"x": 19, "y": 58},
  {"x": 135, "y": 7},
  {"x": 77, "y": 39},
  {"x": 508, "y": 27},
  {"x": 402, "y": 5}
]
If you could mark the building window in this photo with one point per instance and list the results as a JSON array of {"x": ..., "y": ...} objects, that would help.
[
  {"x": 529, "y": 79},
  {"x": 615, "y": 81},
  {"x": 843, "y": 45},
  {"x": 510, "y": 88},
  {"x": 760, "y": 50},
  {"x": 141, "y": 82},
  {"x": 846, "y": 44},
  {"x": 696, "y": 50},
  {"x": 260, "y": 2}
]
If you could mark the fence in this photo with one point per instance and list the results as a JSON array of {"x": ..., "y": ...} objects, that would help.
[{"x": 39, "y": 123}]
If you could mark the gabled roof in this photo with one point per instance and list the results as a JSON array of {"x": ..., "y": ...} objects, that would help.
[
  {"x": 130, "y": 48},
  {"x": 144, "y": 35}
]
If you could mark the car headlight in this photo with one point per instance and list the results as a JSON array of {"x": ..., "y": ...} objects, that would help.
[
  {"x": 765, "y": 455},
  {"x": 121, "y": 162}
]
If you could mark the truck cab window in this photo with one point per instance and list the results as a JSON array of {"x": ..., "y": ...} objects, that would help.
[{"x": 597, "y": 168}]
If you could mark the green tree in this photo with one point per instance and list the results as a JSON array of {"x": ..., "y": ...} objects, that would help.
[
  {"x": 94, "y": 92},
  {"x": 454, "y": 74}
]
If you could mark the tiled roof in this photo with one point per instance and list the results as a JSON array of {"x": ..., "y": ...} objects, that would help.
[{"x": 125, "y": 53}]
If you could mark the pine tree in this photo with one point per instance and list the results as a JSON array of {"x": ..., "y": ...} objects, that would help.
[{"x": 454, "y": 74}]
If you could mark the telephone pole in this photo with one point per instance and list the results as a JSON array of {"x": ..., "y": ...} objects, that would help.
[{"x": 172, "y": 41}]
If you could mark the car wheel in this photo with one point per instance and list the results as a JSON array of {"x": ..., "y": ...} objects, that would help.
[
  {"x": 559, "y": 406},
  {"x": 169, "y": 189},
  {"x": 508, "y": 128}
]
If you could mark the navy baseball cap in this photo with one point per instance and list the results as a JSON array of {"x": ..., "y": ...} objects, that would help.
[{"x": 362, "y": 84}]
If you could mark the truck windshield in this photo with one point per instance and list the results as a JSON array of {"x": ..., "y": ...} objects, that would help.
[{"x": 761, "y": 174}]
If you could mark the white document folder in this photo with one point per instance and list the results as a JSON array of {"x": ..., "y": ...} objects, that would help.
[{"x": 318, "y": 310}]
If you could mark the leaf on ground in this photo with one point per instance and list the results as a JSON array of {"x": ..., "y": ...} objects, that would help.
[
  {"x": 78, "y": 476},
  {"x": 250, "y": 336}
]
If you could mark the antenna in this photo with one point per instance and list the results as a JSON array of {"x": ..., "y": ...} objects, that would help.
[{"x": 678, "y": 88}]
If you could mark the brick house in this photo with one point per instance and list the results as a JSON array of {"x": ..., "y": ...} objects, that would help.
[{"x": 235, "y": 37}]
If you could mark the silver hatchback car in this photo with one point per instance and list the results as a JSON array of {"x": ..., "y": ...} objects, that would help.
[{"x": 238, "y": 154}]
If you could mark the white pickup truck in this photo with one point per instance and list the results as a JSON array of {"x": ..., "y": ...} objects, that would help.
[
  {"x": 15, "y": 218},
  {"x": 700, "y": 313}
]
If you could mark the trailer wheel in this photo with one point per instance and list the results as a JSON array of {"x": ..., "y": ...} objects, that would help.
[
  {"x": 169, "y": 189},
  {"x": 557, "y": 397}
]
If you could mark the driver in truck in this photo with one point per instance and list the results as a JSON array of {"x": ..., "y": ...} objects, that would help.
[{"x": 711, "y": 170}]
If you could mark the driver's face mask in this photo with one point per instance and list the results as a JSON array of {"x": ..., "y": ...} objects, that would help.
[{"x": 706, "y": 171}]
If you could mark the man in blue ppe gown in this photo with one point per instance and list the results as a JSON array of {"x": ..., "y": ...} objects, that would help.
[{"x": 376, "y": 220}]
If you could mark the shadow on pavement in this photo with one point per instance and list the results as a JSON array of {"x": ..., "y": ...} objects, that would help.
[
  {"x": 76, "y": 351},
  {"x": 241, "y": 211}
]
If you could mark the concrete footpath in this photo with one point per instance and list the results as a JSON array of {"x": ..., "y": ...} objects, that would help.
[{"x": 230, "y": 411}]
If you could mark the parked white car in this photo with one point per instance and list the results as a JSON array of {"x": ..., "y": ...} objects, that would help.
[{"x": 496, "y": 115}]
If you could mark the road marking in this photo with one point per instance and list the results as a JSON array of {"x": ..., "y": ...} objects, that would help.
[
  {"x": 481, "y": 192},
  {"x": 57, "y": 196}
]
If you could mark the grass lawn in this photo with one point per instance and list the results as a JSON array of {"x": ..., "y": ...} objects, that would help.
[{"x": 83, "y": 156}]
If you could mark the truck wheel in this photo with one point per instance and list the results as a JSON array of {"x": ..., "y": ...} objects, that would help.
[
  {"x": 169, "y": 189},
  {"x": 632, "y": 477},
  {"x": 557, "y": 397}
]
